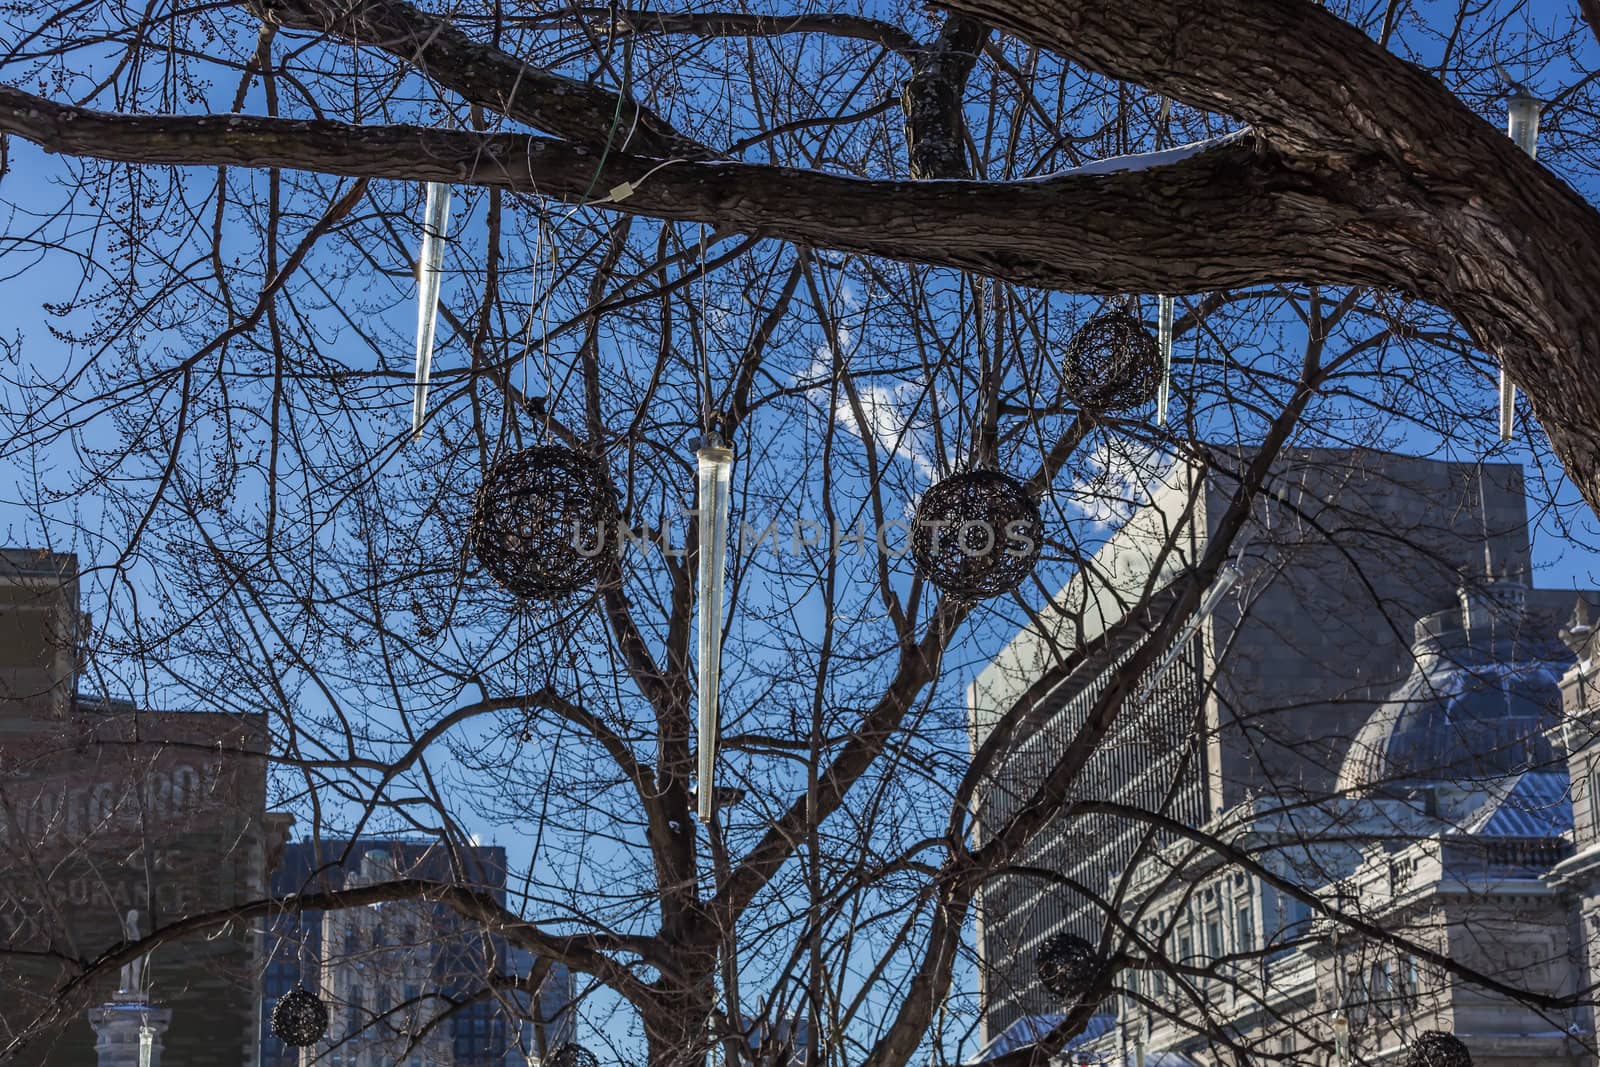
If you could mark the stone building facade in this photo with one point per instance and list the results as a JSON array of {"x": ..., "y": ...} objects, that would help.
[
  {"x": 1356, "y": 748},
  {"x": 108, "y": 809},
  {"x": 1451, "y": 815},
  {"x": 1577, "y": 737}
]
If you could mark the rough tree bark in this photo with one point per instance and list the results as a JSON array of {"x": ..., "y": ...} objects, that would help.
[{"x": 935, "y": 141}]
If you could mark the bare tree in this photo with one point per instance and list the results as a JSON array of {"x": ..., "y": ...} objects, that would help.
[{"x": 842, "y": 240}]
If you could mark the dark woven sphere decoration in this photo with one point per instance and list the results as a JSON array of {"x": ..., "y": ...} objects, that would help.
[
  {"x": 976, "y": 534},
  {"x": 571, "y": 1054},
  {"x": 1435, "y": 1048},
  {"x": 1112, "y": 363},
  {"x": 545, "y": 522},
  {"x": 299, "y": 1018},
  {"x": 1069, "y": 966}
]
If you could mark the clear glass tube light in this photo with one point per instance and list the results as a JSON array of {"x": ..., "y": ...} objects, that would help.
[
  {"x": 1164, "y": 340},
  {"x": 1225, "y": 580},
  {"x": 716, "y": 469},
  {"x": 1522, "y": 121},
  {"x": 1522, "y": 126},
  {"x": 435, "y": 228}
]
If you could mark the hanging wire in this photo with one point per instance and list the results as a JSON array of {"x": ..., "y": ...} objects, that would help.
[
  {"x": 539, "y": 297},
  {"x": 535, "y": 302}
]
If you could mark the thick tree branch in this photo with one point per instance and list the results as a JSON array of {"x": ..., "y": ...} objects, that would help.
[
  {"x": 1248, "y": 218},
  {"x": 1591, "y": 15},
  {"x": 1290, "y": 67},
  {"x": 1491, "y": 236},
  {"x": 747, "y": 24},
  {"x": 935, "y": 124},
  {"x": 485, "y": 75},
  {"x": 1508, "y": 248}
]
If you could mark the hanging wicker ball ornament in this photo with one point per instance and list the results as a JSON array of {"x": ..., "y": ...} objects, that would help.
[
  {"x": 571, "y": 1054},
  {"x": 1112, "y": 363},
  {"x": 1069, "y": 966},
  {"x": 545, "y": 521},
  {"x": 1435, "y": 1048},
  {"x": 976, "y": 534},
  {"x": 299, "y": 1019}
]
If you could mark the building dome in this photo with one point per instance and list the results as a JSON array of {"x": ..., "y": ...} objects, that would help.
[{"x": 1485, "y": 687}]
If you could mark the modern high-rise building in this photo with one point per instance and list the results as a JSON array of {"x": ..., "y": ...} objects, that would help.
[
  {"x": 1346, "y": 550},
  {"x": 387, "y": 970},
  {"x": 114, "y": 819}
]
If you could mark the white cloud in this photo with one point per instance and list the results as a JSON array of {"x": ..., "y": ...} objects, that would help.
[
  {"x": 884, "y": 407},
  {"x": 1112, "y": 480}
]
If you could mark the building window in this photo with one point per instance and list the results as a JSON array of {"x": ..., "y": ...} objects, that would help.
[
  {"x": 1244, "y": 928},
  {"x": 1408, "y": 982},
  {"x": 1296, "y": 918},
  {"x": 1380, "y": 988}
]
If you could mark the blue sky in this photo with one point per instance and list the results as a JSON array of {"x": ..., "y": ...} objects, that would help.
[{"x": 1563, "y": 533}]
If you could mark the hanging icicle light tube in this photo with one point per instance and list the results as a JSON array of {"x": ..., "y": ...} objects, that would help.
[
  {"x": 1522, "y": 126},
  {"x": 430, "y": 262},
  {"x": 1164, "y": 344},
  {"x": 1225, "y": 580},
  {"x": 1522, "y": 120},
  {"x": 715, "y": 461}
]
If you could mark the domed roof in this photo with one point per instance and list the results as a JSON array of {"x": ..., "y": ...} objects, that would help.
[{"x": 1475, "y": 707}]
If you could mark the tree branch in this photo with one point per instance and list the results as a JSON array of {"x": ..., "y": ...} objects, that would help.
[
  {"x": 1490, "y": 236},
  {"x": 1247, "y": 217},
  {"x": 745, "y": 24},
  {"x": 935, "y": 123},
  {"x": 583, "y": 952},
  {"x": 485, "y": 75}
]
